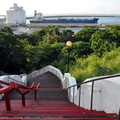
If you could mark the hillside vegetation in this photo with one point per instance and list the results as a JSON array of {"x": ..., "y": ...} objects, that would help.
[
  {"x": 94, "y": 52},
  {"x": 93, "y": 65}
]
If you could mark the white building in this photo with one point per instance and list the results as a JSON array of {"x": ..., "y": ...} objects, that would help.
[{"x": 16, "y": 16}]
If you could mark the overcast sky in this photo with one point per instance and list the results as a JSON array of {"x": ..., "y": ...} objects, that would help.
[{"x": 48, "y": 7}]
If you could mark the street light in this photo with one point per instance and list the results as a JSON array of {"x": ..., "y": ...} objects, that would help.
[{"x": 69, "y": 44}]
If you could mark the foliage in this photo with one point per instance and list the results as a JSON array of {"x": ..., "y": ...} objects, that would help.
[
  {"x": 84, "y": 35},
  {"x": 95, "y": 66},
  {"x": 67, "y": 35},
  {"x": 6, "y": 30},
  {"x": 52, "y": 35},
  {"x": 114, "y": 34},
  {"x": 36, "y": 36},
  {"x": 92, "y": 52},
  {"x": 11, "y": 53},
  {"x": 101, "y": 43},
  {"x": 46, "y": 53},
  {"x": 81, "y": 49}
]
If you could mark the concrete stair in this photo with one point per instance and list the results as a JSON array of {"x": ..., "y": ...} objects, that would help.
[{"x": 51, "y": 110}]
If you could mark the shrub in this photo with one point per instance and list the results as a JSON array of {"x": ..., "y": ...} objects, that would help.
[{"x": 95, "y": 66}]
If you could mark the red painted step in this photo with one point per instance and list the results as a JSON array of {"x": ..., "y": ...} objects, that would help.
[{"x": 52, "y": 110}]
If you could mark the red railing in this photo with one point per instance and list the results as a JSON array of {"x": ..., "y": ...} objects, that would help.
[{"x": 15, "y": 86}]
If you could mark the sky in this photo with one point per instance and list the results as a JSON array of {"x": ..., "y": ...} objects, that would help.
[{"x": 53, "y": 7}]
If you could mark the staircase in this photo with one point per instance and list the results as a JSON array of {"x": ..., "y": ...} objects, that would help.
[
  {"x": 51, "y": 104},
  {"x": 52, "y": 110}
]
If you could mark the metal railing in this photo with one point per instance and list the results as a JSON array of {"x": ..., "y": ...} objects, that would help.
[
  {"x": 92, "y": 88},
  {"x": 9, "y": 79},
  {"x": 15, "y": 86}
]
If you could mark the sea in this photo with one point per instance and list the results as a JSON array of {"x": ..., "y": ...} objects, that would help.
[
  {"x": 103, "y": 20},
  {"x": 115, "y": 20}
]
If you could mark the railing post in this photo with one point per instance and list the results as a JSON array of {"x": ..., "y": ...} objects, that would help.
[
  {"x": 69, "y": 93},
  {"x": 35, "y": 93},
  {"x": 79, "y": 95},
  {"x": 73, "y": 93},
  {"x": 7, "y": 101},
  {"x": 23, "y": 99},
  {"x": 92, "y": 87}
]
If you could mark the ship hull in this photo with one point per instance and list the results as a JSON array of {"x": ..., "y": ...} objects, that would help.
[{"x": 94, "y": 20}]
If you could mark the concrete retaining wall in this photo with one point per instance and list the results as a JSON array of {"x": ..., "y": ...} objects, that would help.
[
  {"x": 106, "y": 95},
  {"x": 48, "y": 68}
]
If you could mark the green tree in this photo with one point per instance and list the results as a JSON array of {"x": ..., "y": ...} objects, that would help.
[
  {"x": 28, "y": 56},
  {"x": 84, "y": 34},
  {"x": 81, "y": 49},
  {"x": 114, "y": 34},
  {"x": 10, "y": 53},
  {"x": 100, "y": 42},
  {"x": 46, "y": 53},
  {"x": 52, "y": 35},
  {"x": 6, "y": 30},
  {"x": 37, "y": 36},
  {"x": 17, "y": 55},
  {"x": 67, "y": 35}
]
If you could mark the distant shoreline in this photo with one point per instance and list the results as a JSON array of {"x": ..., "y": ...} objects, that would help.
[
  {"x": 70, "y": 25},
  {"x": 61, "y": 24}
]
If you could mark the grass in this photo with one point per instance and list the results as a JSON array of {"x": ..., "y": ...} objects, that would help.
[{"x": 94, "y": 66}]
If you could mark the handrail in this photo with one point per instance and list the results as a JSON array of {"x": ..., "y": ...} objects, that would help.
[
  {"x": 15, "y": 86},
  {"x": 92, "y": 88},
  {"x": 7, "y": 88},
  {"x": 7, "y": 78},
  {"x": 22, "y": 86}
]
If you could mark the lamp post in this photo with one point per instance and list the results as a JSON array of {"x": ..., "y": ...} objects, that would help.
[{"x": 69, "y": 44}]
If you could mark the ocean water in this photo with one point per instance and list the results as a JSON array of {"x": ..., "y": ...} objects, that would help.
[{"x": 109, "y": 20}]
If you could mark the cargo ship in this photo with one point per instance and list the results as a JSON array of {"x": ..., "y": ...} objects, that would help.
[{"x": 38, "y": 18}]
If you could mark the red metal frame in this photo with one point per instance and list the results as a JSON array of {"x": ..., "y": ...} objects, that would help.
[{"x": 15, "y": 86}]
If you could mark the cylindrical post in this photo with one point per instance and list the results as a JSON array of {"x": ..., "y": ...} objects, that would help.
[
  {"x": 35, "y": 94},
  {"x": 92, "y": 87},
  {"x": 23, "y": 99},
  {"x": 73, "y": 93},
  {"x": 69, "y": 90},
  {"x": 68, "y": 59},
  {"x": 79, "y": 94},
  {"x": 7, "y": 101}
]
